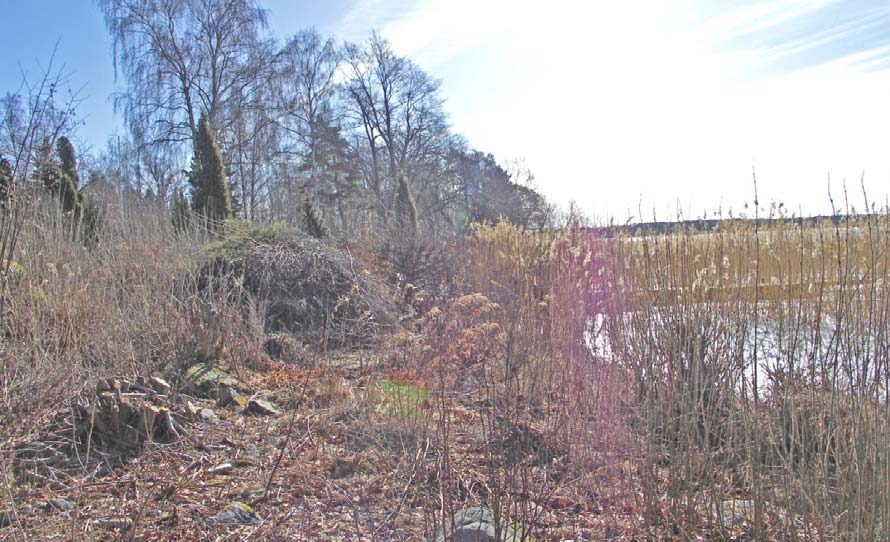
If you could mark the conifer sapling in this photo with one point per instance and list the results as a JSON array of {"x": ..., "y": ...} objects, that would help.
[{"x": 210, "y": 191}]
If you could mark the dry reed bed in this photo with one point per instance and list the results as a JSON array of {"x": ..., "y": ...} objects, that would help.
[
  {"x": 760, "y": 359},
  {"x": 749, "y": 362}
]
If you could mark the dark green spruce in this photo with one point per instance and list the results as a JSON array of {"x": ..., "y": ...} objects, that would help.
[{"x": 210, "y": 191}]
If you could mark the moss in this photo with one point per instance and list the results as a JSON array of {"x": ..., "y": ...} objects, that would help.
[
  {"x": 402, "y": 400},
  {"x": 207, "y": 379},
  {"x": 245, "y": 507},
  {"x": 239, "y": 237}
]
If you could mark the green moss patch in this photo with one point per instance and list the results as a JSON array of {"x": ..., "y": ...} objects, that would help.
[{"x": 402, "y": 401}]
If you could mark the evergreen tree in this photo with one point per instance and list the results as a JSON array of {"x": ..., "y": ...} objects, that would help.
[
  {"x": 210, "y": 192},
  {"x": 68, "y": 160},
  {"x": 312, "y": 219},
  {"x": 404, "y": 209},
  {"x": 47, "y": 171},
  {"x": 181, "y": 212},
  {"x": 5, "y": 180},
  {"x": 91, "y": 216},
  {"x": 58, "y": 174},
  {"x": 72, "y": 200}
]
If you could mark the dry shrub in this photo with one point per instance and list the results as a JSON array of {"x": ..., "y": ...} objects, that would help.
[
  {"x": 285, "y": 347},
  {"x": 825, "y": 441},
  {"x": 550, "y": 286},
  {"x": 306, "y": 287},
  {"x": 512, "y": 268},
  {"x": 753, "y": 352},
  {"x": 544, "y": 404},
  {"x": 430, "y": 267},
  {"x": 458, "y": 339},
  {"x": 113, "y": 308}
]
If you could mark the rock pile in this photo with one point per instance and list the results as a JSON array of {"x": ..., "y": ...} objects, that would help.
[{"x": 99, "y": 431}]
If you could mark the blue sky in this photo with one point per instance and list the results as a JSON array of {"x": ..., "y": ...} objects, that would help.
[{"x": 617, "y": 105}]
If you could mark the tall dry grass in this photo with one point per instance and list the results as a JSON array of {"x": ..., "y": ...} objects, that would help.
[
  {"x": 658, "y": 375},
  {"x": 759, "y": 358},
  {"x": 124, "y": 303},
  {"x": 744, "y": 365},
  {"x": 521, "y": 406}
]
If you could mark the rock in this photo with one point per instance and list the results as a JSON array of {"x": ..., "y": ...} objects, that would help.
[
  {"x": 476, "y": 524},
  {"x": 213, "y": 383},
  {"x": 59, "y": 505},
  {"x": 206, "y": 415},
  {"x": 224, "y": 468},
  {"x": 160, "y": 385},
  {"x": 734, "y": 512},
  {"x": 116, "y": 524},
  {"x": 230, "y": 397},
  {"x": 236, "y": 513},
  {"x": 259, "y": 407},
  {"x": 201, "y": 414}
]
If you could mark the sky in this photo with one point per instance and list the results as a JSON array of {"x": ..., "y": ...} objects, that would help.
[{"x": 632, "y": 109}]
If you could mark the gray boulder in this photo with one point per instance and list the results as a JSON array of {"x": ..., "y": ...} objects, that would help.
[
  {"x": 59, "y": 505},
  {"x": 259, "y": 407},
  {"x": 476, "y": 524},
  {"x": 735, "y": 512}
]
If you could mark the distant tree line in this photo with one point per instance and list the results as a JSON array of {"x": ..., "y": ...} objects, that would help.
[{"x": 353, "y": 129}]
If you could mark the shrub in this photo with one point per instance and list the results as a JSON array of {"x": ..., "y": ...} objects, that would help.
[
  {"x": 68, "y": 160},
  {"x": 404, "y": 208},
  {"x": 5, "y": 180},
  {"x": 427, "y": 263},
  {"x": 300, "y": 284},
  {"x": 312, "y": 219},
  {"x": 457, "y": 339}
]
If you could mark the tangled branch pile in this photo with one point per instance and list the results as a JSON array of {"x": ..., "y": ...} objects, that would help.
[{"x": 306, "y": 287}]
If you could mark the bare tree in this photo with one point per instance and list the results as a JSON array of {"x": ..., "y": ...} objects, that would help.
[
  {"x": 308, "y": 64},
  {"x": 255, "y": 142},
  {"x": 182, "y": 57},
  {"x": 162, "y": 167},
  {"x": 36, "y": 113},
  {"x": 396, "y": 115}
]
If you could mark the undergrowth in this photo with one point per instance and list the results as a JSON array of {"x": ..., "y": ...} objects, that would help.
[{"x": 652, "y": 377}]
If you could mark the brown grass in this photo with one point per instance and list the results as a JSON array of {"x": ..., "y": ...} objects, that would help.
[{"x": 580, "y": 386}]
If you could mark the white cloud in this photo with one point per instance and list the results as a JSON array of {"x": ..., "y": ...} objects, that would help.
[
  {"x": 761, "y": 15},
  {"x": 609, "y": 102}
]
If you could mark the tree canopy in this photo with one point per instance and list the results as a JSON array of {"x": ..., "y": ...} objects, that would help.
[{"x": 347, "y": 123}]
